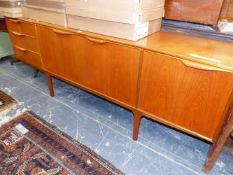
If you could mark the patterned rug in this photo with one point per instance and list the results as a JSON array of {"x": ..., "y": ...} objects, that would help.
[
  {"x": 6, "y": 102},
  {"x": 30, "y": 146}
]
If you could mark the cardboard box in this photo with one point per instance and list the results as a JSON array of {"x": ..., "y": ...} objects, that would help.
[
  {"x": 50, "y": 15},
  {"x": 226, "y": 26},
  {"x": 11, "y": 8},
  {"x": 124, "y": 11},
  {"x": 121, "y": 30},
  {"x": 54, "y": 4}
]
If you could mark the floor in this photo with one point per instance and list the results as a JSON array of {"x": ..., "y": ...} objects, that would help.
[{"x": 107, "y": 128}]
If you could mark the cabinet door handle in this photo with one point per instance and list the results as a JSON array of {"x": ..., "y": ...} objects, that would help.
[
  {"x": 61, "y": 32},
  {"x": 14, "y": 20},
  {"x": 98, "y": 41},
  {"x": 17, "y": 33},
  {"x": 201, "y": 66},
  {"x": 21, "y": 49}
]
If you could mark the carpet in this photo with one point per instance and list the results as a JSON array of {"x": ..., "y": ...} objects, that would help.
[
  {"x": 31, "y": 146},
  {"x": 6, "y": 102}
]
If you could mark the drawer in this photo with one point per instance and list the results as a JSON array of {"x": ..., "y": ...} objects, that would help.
[
  {"x": 21, "y": 27},
  {"x": 28, "y": 57},
  {"x": 24, "y": 41}
]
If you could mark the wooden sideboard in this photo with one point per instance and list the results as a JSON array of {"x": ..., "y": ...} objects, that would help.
[{"x": 182, "y": 81}]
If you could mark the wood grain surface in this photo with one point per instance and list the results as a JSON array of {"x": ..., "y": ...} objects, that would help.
[
  {"x": 192, "y": 98},
  {"x": 108, "y": 68},
  {"x": 25, "y": 42}
]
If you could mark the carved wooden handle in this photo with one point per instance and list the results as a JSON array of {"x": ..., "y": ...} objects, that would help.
[
  {"x": 98, "y": 41},
  {"x": 61, "y": 32},
  {"x": 17, "y": 33},
  {"x": 21, "y": 49},
  {"x": 14, "y": 20}
]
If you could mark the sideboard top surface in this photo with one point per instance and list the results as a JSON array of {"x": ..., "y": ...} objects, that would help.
[{"x": 212, "y": 53}]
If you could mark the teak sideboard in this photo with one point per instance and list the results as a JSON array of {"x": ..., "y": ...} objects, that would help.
[{"x": 182, "y": 81}]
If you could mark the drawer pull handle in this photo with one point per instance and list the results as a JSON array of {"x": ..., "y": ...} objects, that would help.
[
  {"x": 96, "y": 40},
  {"x": 17, "y": 33},
  {"x": 200, "y": 66},
  {"x": 14, "y": 20},
  {"x": 21, "y": 49},
  {"x": 62, "y": 32}
]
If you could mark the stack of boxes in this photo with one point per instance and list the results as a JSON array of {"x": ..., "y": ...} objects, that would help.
[
  {"x": 127, "y": 19},
  {"x": 51, "y": 11},
  {"x": 11, "y": 8}
]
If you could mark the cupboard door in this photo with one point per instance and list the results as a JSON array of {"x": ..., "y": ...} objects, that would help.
[
  {"x": 187, "y": 98},
  {"x": 110, "y": 68},
  {"x": 58, "y": 50},
  {"x": 97, "y": 65}
]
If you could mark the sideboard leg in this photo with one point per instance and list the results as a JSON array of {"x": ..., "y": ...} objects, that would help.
[
  {"x": 137, "y": 121},
  {"x": 217, "y": 147},
  {"x": 213, "y": 154},
  {"x": 14, "y": 61},
  {"x": 50, "y": 84},
  {"x": 36, "y": 72}
]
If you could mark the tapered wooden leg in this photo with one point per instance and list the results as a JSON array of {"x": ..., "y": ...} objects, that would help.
[
  {"x": 217, "y": 147},
  {"x": 50, "y": 84},
  {"x": 137, "y": 121},
  {"x": 214, "y": 152}
]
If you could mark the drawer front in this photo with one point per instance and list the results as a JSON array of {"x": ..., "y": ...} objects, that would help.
[
  {"x": 21, "y": 27},
  {"x": 24, "y": 41},
  {"x": 191, "y": 99},
  {"x": 28, "y": 57},
  {"x": 107, "y": 68}
]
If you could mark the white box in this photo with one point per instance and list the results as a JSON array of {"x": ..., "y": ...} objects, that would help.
[
  {"x": 121, "y": 30},
  {"x": 11, "y": 8},
  {"x": 50, "y": 15},
  {"x": 54, "y": 4},
  {"x": 125, "y": 11},
  {"x": 225, "y": 26}
]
